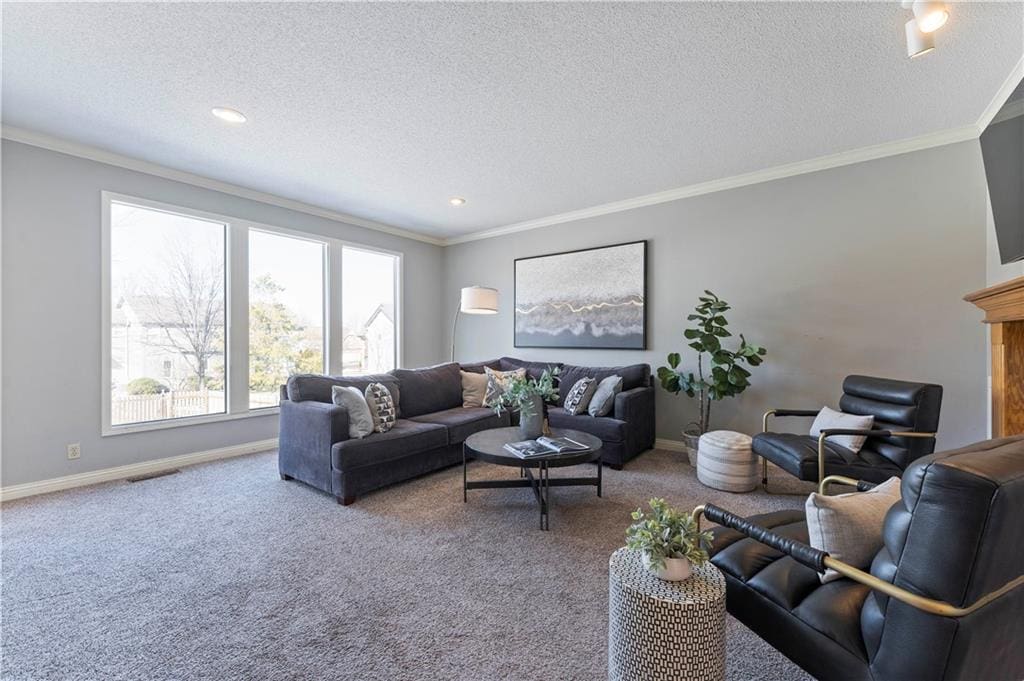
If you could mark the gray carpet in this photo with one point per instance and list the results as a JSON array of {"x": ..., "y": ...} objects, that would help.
[{"x": 225, "y": 571}]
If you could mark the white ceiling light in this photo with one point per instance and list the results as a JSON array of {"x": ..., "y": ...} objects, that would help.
[
  {"x": 457, "y": 201},
  {"x": 930, "y": 15},
  {"x": 918, "y": 43},
  {"x": 228, "y": 115}
]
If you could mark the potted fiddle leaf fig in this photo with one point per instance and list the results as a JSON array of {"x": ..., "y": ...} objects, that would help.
[
  {"x": 527, "y": 396},
  {"x": 720, "y": 371},
  {"x": 669, "y": 540}
]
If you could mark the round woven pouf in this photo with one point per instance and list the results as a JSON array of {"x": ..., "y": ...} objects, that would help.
[
  {"x": 664, "y": 631},
  {"x": 725, "y": 462}
]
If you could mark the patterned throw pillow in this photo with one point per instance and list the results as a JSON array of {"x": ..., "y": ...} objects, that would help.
[
  {"x": 579, "y": 396},
  {"x": 497, "y": 382},
  {"x": 382, "y": 407}
]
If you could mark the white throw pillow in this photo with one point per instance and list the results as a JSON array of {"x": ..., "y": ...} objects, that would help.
[
  {"x": 849, "y": 526},
  {"x": 603, "y": 401},
  {"x": 360, "y": 422},
  {"x": 830, "y": 418}
]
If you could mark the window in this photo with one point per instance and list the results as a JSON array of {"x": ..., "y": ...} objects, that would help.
[
  {"x": 206, "y": 316},
  {"x": 368, "y": 302},
  {"x": 167, "y": 330},
  {"x": 286, "y": 312}
]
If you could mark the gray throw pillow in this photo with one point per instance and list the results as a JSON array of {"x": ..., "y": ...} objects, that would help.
[
  {"x": 849, "y": 526},
  {"x": 360, "y": 422},
  {"x": 382, "y": 407},
  {"x": 603, "y": 401},
  {"x": 578, "y": 399},
  {"x": 830, "y": 418}
]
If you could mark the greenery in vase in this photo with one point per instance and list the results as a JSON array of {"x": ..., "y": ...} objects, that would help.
[
  {"x": 667, "y": 533},
  {"x": 726, "y": 376},
  {"x": 519, "y": 392}
]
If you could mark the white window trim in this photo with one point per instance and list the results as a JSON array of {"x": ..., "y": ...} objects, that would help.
[{"x": 236, "y": 302}]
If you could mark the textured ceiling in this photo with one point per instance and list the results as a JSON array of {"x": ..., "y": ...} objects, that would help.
[{"x": 384, "y": 111}]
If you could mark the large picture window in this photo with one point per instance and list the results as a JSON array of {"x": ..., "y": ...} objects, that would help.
[
  {"x": 167, "y": 320},
  {"x": 206, "y": 316},
  {"x": 286, "y": 312}
]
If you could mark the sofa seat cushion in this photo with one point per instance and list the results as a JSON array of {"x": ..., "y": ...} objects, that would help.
[
  {"x": 798, "y": 455},
  {"x": 462, "y": 422},
  {"x": 405, "y": 438},
  {"x": 604, "y": 427},
  {"x": 832, "y": 609}
]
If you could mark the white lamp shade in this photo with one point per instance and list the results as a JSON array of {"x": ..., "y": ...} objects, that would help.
[
  {"x": 479, "y": 300},
  {"x": 918, "y": 43},
  {"x": 930, "y": 15}
]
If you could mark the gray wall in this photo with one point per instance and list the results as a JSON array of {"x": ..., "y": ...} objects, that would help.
[
  {"x": 859, "y": 269},
  {"x": 51, "y": 311}
]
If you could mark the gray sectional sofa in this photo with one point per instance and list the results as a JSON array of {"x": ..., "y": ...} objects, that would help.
[{"x": 432, "y": 424}]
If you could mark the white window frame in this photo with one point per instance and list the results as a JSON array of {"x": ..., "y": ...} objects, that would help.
[{"x": 236, "y": 306}]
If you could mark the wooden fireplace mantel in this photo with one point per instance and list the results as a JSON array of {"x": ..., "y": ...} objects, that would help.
[{"x": 1004, "y": 311}]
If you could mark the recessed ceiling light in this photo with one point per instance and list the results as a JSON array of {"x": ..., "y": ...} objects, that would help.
[
  {"x": 229, "y": 115},
  {"x": 457, "y": 201}
]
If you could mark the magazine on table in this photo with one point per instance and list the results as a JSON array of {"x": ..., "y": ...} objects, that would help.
[{"x": 545, "y": 446}]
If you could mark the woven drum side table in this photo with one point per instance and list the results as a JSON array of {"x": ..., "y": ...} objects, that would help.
[
  {"x": 664, "y": 631},
  {"x": 725, "y": 462}
]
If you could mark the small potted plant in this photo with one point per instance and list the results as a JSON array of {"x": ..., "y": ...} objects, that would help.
[
  {"x": 527, "y": 396},
  {"x": 668, "y": 540},
  {"x": 725, "y": 375}
]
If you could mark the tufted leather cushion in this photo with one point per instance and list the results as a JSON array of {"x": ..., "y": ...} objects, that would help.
[{"x": 798, "y": 455}]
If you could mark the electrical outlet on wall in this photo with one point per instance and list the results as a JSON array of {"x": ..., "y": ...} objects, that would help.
[{"x": 75, "y": 450}]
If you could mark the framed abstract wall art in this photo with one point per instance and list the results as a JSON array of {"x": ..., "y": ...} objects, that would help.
[{"x": 591, "y": 298}]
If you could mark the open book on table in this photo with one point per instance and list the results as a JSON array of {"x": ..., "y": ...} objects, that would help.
[{"x": 545, "y": 446}]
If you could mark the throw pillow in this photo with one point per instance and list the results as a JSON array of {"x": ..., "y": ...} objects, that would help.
[
  {"x": 474, "y": 389},
  {"x": 360, "y": 422},
  {"x": 849, "y": 526},
  {"x": 603, "y": 401},
  {"x": 382, "y": 407},
  {"x": 830, "y": 418},
  {"x": 578, "y": 399},
  {"x": 497, "y": 381}
]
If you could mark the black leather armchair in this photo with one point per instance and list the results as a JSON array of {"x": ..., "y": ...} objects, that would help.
[
  {"x": 942, "y": 600},
  {"x": 906, "y": 418}
]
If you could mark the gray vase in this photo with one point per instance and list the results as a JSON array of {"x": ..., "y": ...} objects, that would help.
[{"x": 532, "y": 427}]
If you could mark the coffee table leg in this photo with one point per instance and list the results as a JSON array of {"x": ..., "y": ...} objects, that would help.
[
  {"x": 600, "y": 467},
  {"x": 464, "y": 499}
]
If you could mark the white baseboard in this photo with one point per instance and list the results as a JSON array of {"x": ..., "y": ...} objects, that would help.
[
  {"x": 670, "y": 445},
  {"x": 29, "y": 489}
]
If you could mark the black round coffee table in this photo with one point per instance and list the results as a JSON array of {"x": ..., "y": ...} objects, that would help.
[{"x": 489, "y": 446}]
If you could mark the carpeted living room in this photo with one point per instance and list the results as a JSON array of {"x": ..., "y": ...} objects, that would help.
[{"x": 507, "y": 340}]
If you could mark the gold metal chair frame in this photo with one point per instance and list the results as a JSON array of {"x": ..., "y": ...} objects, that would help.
[
  {"x": 821, "y": 453},
  {"x": 928, "y": 605}
]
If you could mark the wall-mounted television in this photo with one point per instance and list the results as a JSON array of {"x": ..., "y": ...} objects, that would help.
[{"x": 1002, "y": 147}]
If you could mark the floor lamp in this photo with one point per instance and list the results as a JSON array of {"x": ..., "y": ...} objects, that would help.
[{"x": 475, "y": 300}]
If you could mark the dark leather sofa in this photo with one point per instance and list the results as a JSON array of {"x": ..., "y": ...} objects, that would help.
[
  {"x": 314, "y": 446},
  {"x": 955, "y": 538}
]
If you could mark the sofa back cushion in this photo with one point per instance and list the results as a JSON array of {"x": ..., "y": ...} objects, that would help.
[
  {"x": 425, "y": 391},
  {"x": 317, "y": 387},
  {"x": 533, "y": 369},
  {"x": 478, "y": 367},
  {"x": 633, "y": 376}
]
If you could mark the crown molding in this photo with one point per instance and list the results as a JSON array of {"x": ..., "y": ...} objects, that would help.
[
  {"x": 1002, "y": 94},
  {"x": 44, "y": 141},
  {"x": 813, "y": 165}
]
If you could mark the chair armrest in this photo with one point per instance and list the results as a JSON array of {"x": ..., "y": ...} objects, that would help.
[
  {"x": 819, "y": 561},
  {"x": 861, "y": 485},
  {"x": 830, "y": 432},
  {"x": 798, "y": 551},
  {"x": 785, "y": 412},
  {"x": 633, "y": 404}
]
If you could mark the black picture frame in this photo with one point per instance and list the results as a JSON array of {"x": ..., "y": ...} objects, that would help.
[{"x": 515, "y": 303}]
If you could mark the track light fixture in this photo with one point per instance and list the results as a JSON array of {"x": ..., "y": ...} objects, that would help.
[{"x": 929, "y": 16}]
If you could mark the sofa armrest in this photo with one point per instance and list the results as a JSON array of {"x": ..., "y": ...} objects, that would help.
[
  {"x": 307, "y": 432},
  {"x": 634, "y": 404}
]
